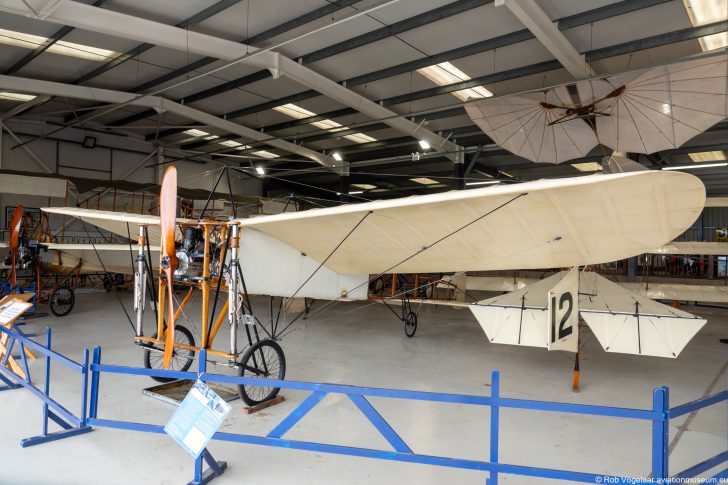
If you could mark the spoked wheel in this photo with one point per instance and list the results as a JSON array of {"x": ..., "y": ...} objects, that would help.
[
  {"x": 410, "y": 324},
  {"x": 108, "y": 283},
  {"x": 61, "y": 301},
  {"x": 181, "y": 358},
  {"x": 264, "y": 360}
]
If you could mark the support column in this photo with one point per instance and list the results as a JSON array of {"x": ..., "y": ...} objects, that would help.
[
  {"x": 631, "y": 268},
  {"x": 458, "y": 174},
  {"x": 344, "y": 182}
]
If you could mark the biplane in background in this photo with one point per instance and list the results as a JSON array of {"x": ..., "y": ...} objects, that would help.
[{"x": 331, "y": 254}]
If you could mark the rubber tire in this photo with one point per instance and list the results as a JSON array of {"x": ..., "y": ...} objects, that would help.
[
  {"x": 108, "y": 284},
  {"x": 190, "y": 341},
  {"x": 55, "y": 294},
  {"x": 118, "y": 279},
  {"x": 410, "y": 324},
  {"x": 244, "y": 390}
]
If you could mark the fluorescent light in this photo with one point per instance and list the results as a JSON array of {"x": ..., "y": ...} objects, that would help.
[
  {"x": 195, "y": 132},
  {"x": 483, "y": 182},
  {"x": 356, "y": 192},
  {"x": 445, "y": 73},
  {"x": 232, "y": 144},
  {"x": 260, "y": 170},
  {"x": 337, "y": 156},
  {"x": 265, "y": 154},
  {"x": 708, "y": 156},
  {"x": 702, "y": 12},
  {"x": 62, "y": 47},
  {"x": 693, "y": 167},
  {"x": 425, "y": 145},
  {"x": 424, "y": 181},
  {"x": 360, "y": 138},
  {"x": 364, "y": 186},
  {"x": 16, "y": 96},
  {"x": 587, "y": 166},
  {"x": 299, "y": 113}
]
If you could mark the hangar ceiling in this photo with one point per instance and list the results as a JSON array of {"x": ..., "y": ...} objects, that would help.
[{"x": 358, "y": 87}]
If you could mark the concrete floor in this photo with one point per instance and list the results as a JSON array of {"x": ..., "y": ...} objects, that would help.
[{"x": 367, "y": 347}]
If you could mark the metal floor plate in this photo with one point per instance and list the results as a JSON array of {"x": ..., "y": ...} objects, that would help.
[{"x": 174, "y": 392}]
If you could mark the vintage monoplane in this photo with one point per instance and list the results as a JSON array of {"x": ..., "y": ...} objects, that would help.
[{"x": 333, "y": 253}]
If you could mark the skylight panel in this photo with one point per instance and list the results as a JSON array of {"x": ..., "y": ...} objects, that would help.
[
  {"x": 62, "y": 47},
  {"x": 587, "y": 166},
  {"x": 446, "y": 73},
  {"x": 16, "y": 96},
  {"x": 702, "y": 12},
  {"x": 297, "y": 112},
  {"x": 718, "y": 155}
]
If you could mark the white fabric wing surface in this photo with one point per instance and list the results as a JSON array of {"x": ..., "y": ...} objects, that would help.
[
  {"x": 622, "y": 321},
  {"x": 94, "y": 258},
  {"x": 663, "y": 107},
  {"x": 524, "y": 125},
  {"x": 644, "y": 111},
  {"x": 628, "y": 323},
  {"x": 557, "y": 223}
]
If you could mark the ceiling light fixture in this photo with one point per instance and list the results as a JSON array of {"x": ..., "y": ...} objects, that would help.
[
  {"x": 364, "y": 186},
  {"x": 425, "y": 145},
  {"x": 483, "y": 182},
  {"x": 265, "y": 154},
  {"x": 260, "y": 170},
  {"x": 337, "y": 156},
  {"x": 356, "y": 192},
  {"x": 693, "y": 167}
]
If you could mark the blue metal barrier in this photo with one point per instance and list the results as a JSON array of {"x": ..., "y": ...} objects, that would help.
[
  {"x": 70, "y": 424},
  {"x": 659, "y": 416}
]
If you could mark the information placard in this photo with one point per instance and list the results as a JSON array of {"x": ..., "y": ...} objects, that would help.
[{"x": 198, "y": 418}]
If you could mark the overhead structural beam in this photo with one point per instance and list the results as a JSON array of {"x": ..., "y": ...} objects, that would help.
[
  {"x": 129, "y": 27},
  {"x": 160, "y": 104},
  {"x": 536, "y": 20}
]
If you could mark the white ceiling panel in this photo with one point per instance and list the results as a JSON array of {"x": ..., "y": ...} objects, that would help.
[
  {"x": 248, "y": 18},
  {"x": 362, "y": 60},
  {"x": 466, "y": 28},
  {"x": 640, "y": 24},
  {"x": 331, "y": 36},
  {"x": 165, "y": 11}
]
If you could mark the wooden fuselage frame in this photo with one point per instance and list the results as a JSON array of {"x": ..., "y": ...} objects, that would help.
[{"x": 204, "y": 285}]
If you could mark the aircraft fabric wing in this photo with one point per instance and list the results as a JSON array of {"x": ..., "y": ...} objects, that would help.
[
  {"x": 519, "y": 317},
  {"x": 629, "y": 323},
  {"x": 95, "y": 258},
  {"x": 124, "y": 224},
  {"x": 541, "y": 224},
  {"x": 691, "y": 247}
]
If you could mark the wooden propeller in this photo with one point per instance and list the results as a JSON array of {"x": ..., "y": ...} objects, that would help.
[
  {"x": 15, "y": 223},
  {"x": 168, "y": 221}
]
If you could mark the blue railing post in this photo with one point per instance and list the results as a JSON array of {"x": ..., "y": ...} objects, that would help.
[
  {"x": 660, "y": 432},
  {"x": 494, "y": 415},
  {"x": 202, "y": 368},
  {"x": 93, "y": 407},
  {"x": 47, "y": 386},
  {"x": 84, "y": 389}
]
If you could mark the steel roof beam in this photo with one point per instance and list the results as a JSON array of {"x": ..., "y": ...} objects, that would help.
[
  {"x": 130, "y": 27},
  {"x": 536, "y": 20},
  {"x": 157, "y": 103},
  {"x": 583, "y": 18}
]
